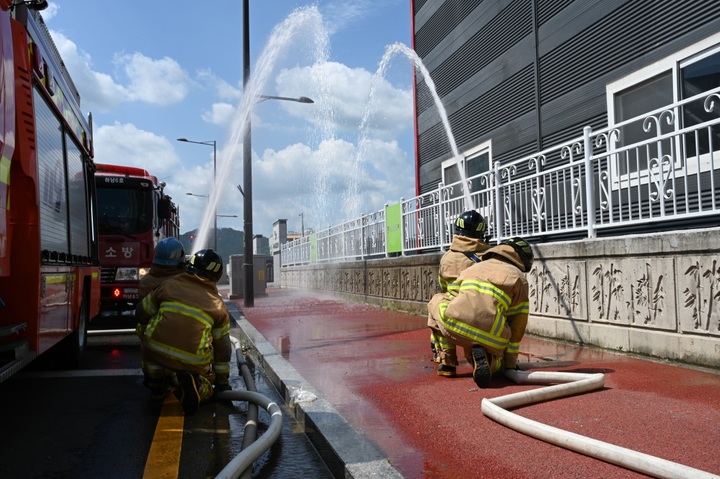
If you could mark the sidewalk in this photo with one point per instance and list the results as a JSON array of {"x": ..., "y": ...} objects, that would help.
[{"x": 381, "y": 410}]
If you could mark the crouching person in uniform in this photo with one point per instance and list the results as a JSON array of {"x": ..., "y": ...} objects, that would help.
[
  {"x": 187, "y": 333},
  {"x": 488, "y": 312},
  {"x": 169, "y": 260},
  {"x": 468, "y": 243}
]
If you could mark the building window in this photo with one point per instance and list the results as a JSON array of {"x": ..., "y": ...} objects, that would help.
[
  {"x": 474, "y": 163},
  {"x": 699, "y": 75},
  {"x": 651, "y": 91}
]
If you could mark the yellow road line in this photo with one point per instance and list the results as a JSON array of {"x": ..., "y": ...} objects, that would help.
[{"x": 164, "y": 457}]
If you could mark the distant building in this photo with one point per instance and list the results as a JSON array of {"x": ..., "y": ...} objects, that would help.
[{"x": 261, "y": 245}]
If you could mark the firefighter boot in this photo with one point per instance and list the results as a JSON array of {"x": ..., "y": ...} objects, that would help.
[
  {"x": 434, "y": 348},
  {"x": 187, "y": 393},
  {"x": 445, "y": 370},
  {"x": 481, "y": 367}
]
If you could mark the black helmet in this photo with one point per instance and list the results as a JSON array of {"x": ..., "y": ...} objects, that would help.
[
  {"x": 207, "y": 263},
  {"x": 470, "y": 223},
  {"x": 523, "y": 249}
]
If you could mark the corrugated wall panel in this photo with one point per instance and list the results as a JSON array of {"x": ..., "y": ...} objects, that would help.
[
  {"x": 495, "y": 38},
  {"x": 442, "y": 23},
  {"x": 546, "y": 9},
  {"x": 486, "y": 75},
  {"x": 634, "y": 30},
  {"x": 489, "y": 112}
]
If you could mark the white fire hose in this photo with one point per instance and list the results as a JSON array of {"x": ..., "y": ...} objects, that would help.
[{"x": 576, "y": 383}]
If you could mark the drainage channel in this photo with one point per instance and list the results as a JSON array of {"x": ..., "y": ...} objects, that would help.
[{"x": 271, "y": 447}]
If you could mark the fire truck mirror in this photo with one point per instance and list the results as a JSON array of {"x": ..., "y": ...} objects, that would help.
[{"x": 164, "y": 209}]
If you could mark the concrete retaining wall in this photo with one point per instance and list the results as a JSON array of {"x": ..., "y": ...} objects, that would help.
[{"x": 656, "y": 295}]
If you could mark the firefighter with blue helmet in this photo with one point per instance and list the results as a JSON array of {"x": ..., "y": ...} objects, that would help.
[
  {"x": 169, "y": 260},
  {"x": 468, "y": 243},
  {"x": 187, "y": 333},
  {"x": 488, "y": 311}
]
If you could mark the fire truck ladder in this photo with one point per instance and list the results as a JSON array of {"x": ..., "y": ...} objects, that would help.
[{"x": 14, "y": 355}]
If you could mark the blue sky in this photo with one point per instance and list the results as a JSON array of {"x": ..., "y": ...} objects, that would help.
[{"x": 152, "y": 72}]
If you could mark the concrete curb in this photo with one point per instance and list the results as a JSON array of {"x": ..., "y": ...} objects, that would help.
[{"x": 345, "y": 451}]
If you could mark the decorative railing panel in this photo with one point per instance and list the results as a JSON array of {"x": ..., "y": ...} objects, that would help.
[{"x": 655, "y": 169}]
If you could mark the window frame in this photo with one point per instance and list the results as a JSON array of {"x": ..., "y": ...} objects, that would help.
[{"x": 674, "y": 64}]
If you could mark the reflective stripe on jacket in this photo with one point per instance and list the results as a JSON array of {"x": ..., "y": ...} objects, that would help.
[
  {"x": 188, "y": 326},
  {"x": 455, "y": 261},
  {"x": 490, "y": 306},
  {"x": 158, "y": 274}
]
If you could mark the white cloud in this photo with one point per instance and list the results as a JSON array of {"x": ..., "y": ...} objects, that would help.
[
  {"x": 160, "y": 82},
  {"x": 348, "y": 94},
  {"x": 125, "y": 144},
  {"x": 99, "y": 91},
  {"x": 219, "y": 114},
  {"x": 319, "y": 176},
  {"x": 50, "y": 11}
]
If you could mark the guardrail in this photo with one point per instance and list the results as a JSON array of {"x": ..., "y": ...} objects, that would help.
[{"x": 661, "y": 166}]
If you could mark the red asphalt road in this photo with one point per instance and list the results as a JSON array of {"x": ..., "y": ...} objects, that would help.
[{"x": 374, "y": 366}]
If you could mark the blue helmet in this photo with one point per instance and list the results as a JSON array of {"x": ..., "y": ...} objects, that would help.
[{"x": 169, "y": 252}]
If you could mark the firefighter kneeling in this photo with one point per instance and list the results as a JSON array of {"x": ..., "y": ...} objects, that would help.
[
  {"x": 187, "y": 334},
  {"x": 488, "y": 311}
]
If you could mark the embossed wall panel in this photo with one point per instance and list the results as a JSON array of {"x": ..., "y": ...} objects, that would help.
[
  {"x": 559, "y": 289},
  {"x": 411, "y": 284},
  {"x": 698, "y": 290},
  {"x": 375, "y": 282},
  {"x": 430, "y": 284},
  {"x": 391, "y": 283}
]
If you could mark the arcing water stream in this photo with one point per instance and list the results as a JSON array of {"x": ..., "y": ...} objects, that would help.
[{"x": 309, "y": 20}]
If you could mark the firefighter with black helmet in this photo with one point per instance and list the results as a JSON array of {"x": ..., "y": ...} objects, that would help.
[
  {"x": 187, "y": 333},
  {"x": 468, "y": 243},
  {"x": 488, "y": 311}
]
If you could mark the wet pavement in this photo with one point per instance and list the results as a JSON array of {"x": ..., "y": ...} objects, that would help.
[{"x": 361, "y": 382}]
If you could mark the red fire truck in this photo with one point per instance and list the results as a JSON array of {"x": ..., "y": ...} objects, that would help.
[
  {"x": 49, "y": 269},
  {"x": 134, "y": 213}
]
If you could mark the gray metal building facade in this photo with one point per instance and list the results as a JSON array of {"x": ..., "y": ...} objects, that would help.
[{"x": 517, "y": 76}]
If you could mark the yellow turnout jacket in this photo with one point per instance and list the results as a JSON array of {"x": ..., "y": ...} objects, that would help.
[
  {"x": 456, "y": 260},
  {"x": 188, "y": 326},
  {"x": 490, "y": 306},
  {"x": 158, "y": 274}
]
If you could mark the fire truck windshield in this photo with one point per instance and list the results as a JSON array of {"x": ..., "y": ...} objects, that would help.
[{"x": 124, "y": 211}]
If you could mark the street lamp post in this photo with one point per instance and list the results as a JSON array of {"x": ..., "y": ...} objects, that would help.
[
  {"x": 249, "y": 287},
  {"x": 302, "y": 224},
  {"x": 246, "y": 190},
  {"x": 212, "y": 143}
]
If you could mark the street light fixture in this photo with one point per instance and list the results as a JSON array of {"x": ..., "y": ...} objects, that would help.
[
  {"x": 300, "y": 99},
  {"x": 212, "y": 143},
  {"x": 249, "y": 286}
]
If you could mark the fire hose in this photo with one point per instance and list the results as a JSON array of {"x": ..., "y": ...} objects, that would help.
[
  {"x": 576, "y": 383},
  {"x": 252, "y": 448}
]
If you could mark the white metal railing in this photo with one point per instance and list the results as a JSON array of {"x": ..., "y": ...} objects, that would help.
[{"x": 671, "y": 173}]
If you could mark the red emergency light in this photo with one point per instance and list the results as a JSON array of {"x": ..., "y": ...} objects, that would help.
[{"x": 117, "y": 292}]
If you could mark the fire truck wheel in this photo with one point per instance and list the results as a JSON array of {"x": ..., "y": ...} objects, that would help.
[{"x": 76, "y": 342}]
